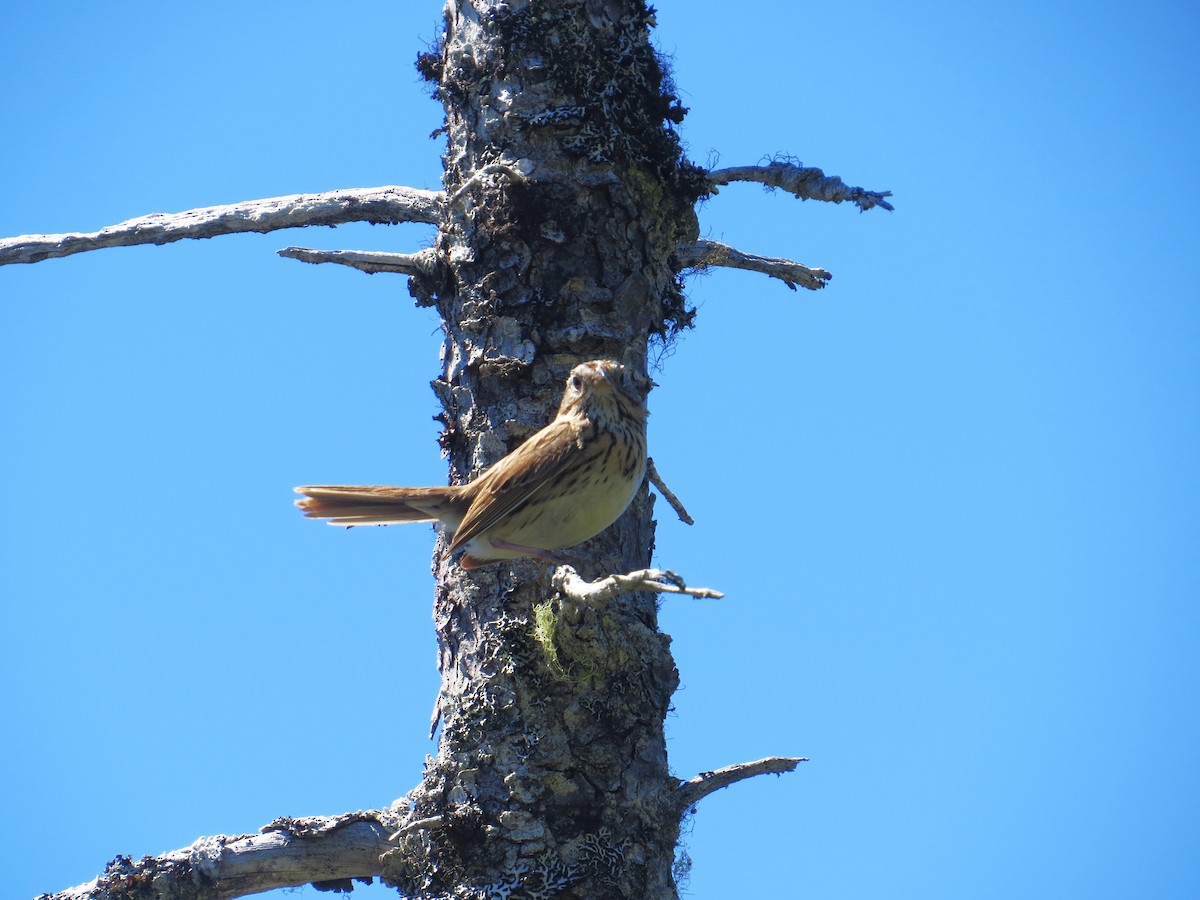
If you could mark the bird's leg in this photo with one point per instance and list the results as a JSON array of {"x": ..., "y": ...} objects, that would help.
[
  {"x": 467, "y": 561},
  {"x": 535, "y": 552}
]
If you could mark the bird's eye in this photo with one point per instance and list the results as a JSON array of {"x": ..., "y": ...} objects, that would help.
[{"x": 576, "y": 382}]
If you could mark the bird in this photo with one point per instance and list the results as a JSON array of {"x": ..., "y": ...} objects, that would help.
[{"x": 565, "y": 484}]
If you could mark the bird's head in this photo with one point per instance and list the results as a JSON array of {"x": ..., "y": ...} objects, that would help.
[{"x": 605, "y": 386}]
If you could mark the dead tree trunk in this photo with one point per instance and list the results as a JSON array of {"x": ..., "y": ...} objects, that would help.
[{"x": 567, "y": 200}]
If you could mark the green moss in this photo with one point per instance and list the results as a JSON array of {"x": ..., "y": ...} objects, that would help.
[
  {"x": 545, "y": 624},
  {"x": 578, "y": 654}
]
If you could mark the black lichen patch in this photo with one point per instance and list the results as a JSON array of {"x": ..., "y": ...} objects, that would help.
[
  {"x": 605, "y": 96},
  {"x": 620, "y": 102}
]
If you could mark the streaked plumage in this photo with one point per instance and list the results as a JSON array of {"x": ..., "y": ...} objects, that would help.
[{"x": 565, "y": 484}]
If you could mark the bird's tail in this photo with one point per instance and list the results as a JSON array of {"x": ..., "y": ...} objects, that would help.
[{"x": 344, "y": 504}]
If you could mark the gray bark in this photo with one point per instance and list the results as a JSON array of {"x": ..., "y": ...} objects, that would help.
[{"x": 551, "y": 776}]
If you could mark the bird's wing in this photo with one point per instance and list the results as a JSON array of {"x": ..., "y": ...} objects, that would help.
[{"x": 519, "y": 477}]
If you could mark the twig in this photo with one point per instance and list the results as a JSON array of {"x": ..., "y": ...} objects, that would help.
[
  {"x": 493, "y": 169},
  {"x": 566, "y": 580},
  {"x": 807, "y": 183},
  {"x": 419, "y": 825},
  {"x": 379, "y": 205},
  {"x": 421, "y": 263},
  {"x": 695, "y": 789},
  {"x": 713, "y": 253},
  {"x": 667, "y": 493}
]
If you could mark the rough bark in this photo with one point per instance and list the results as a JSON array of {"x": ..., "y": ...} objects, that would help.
[{"x": 551, "y": 776}]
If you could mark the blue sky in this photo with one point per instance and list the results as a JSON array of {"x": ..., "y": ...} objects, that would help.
[{"x": 967, "y": 589}]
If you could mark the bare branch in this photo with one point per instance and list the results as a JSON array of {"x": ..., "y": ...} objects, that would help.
[
  {"x": 422, "y": 263},
  {"x": 667, "y": 493},
  {"x": 804, "y": 182},
  {"x": 381, "y": 205},
  {"x": 713, "y": 253},
  {"x": 662, "y": 581},
  {"x": 289, "y": 852},
  {"x": 695, "y": 789}
]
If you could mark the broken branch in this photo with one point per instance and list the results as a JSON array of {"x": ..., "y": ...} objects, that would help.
[
  {"x": 704, "y": 253},
  {"x": 289, "y": 853},
  {"x": 667, "y": 493},
  {"x": 695, "y": 789},
  {"x": 662, "y": 581},
  {"x": 804, "y": 182},
  {"x": 421, "y": 263},
  {"x": 382, "y": 205}
]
